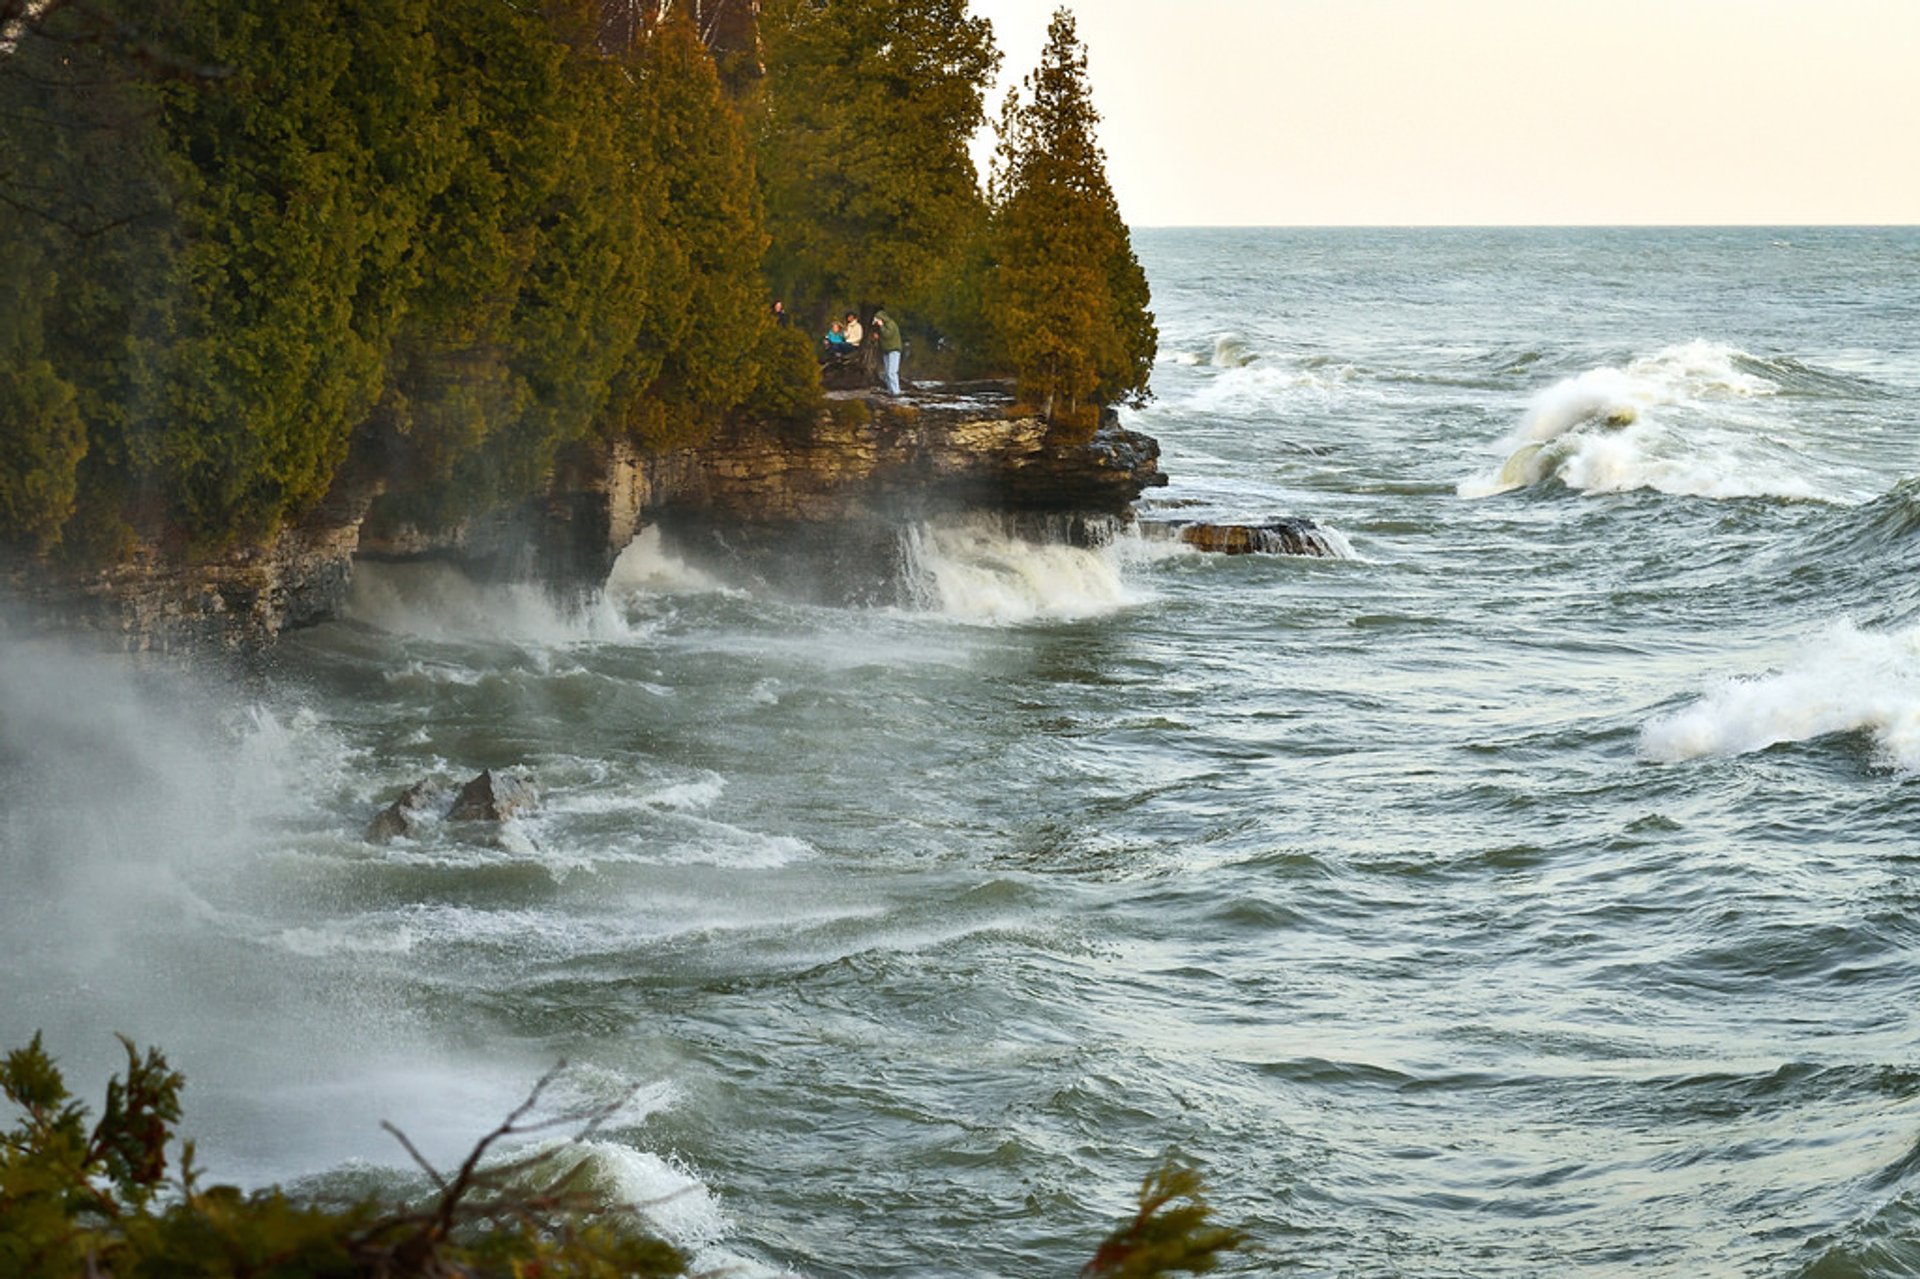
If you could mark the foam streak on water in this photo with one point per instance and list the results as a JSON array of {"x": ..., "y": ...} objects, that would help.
[{"x": 1529, "y": 892}]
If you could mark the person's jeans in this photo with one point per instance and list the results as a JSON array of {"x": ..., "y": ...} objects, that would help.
[{"x": 892, "y": 370}]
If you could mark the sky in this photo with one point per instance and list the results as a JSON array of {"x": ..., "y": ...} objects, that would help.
[{"x": 1497, "y": 112}]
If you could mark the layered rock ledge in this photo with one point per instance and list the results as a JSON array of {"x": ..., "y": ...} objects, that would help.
[{"x": 832, "y": 492}]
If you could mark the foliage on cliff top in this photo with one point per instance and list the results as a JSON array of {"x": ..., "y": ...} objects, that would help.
[
  {"x": 245, "y": 241},
  {"x": 865, "y": 114},
  {"x": 249, "y": 247}
]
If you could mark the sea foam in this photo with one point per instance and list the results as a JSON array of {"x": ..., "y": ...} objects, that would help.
[
  {"x": 1844, "y": 681},
  {"x": 1683, "y": 421},
  {"x": 975, "y": 570},
  {"x": 438, "y": 602}
]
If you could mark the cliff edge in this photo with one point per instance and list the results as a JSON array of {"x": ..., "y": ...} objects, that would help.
[{"x": 830, "y": 494}]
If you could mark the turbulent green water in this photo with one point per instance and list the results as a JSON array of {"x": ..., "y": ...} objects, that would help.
[{"x": 1531, "y": 891}]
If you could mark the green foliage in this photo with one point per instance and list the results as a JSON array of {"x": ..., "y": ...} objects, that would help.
[
  {"x": 707, "y": 335},
  {"x": 245, "y": 244},
  {"x": 84, "y": 230},
  {"x": 851, "y": 412},
  {"x": 46, "y": 440},
  {"x": 1165, "y": 1236},
  {"x": 66, "y": 1191},
  {"x": 1067, "y": 298},
  {"x": 507, "y": 349},
  {"x": 95, "y": 1202},
  {"x": 300, "y": 180},
  {"x": 789, "y": 389},
  {"x": 867, "y": 107}
]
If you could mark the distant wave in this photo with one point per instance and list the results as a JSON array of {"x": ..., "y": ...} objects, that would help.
[
  {"x": 1683, "y": 420},
  {"x": 1844, "y": 681},
  {"x": 1224, "y": 351}
]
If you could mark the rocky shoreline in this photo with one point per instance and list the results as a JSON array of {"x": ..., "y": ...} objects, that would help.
[{"x": 832, "y": 491}]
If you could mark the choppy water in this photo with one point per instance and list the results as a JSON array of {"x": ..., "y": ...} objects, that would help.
[{"x": 1533, "y": 892}]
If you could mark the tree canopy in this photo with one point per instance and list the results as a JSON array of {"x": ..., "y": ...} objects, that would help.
[
  {"x": 866, "y": 111},
  {"x": 244, "y": 241}
]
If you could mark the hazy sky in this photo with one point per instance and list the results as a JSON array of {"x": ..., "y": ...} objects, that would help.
[{"x": 1312, "y": 112}]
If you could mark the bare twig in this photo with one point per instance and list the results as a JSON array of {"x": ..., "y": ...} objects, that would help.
[{"x": 406, "y": 1144}]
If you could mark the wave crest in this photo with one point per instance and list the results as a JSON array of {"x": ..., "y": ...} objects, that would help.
[
  {"x": 1678, "y": 421},
  {"x": 1845, "y": 681}
]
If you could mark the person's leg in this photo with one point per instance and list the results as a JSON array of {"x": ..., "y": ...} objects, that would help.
[{"x": 893, "y": 372}]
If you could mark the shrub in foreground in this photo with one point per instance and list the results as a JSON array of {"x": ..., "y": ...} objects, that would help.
[{"x": 95, "y": 1201}]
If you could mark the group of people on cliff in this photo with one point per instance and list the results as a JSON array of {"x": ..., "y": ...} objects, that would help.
[
  {"x": 847, "y": 339},
  {"x": 847, "y": 335}
]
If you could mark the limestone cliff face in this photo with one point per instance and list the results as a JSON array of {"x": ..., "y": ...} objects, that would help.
[
  {"x": 156, "y": 601},
  {"x": 824, "y": 503},
  {"x": 832, "y": 493}
]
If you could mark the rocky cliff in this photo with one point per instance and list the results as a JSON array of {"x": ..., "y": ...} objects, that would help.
[{"x": 828, "y": 496}]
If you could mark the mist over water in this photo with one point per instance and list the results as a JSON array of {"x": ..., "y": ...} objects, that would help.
[{"x": 1529, "y": 890}]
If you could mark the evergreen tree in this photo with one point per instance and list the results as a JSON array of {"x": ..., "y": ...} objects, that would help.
[
  {"x": 535, "y": 262},
  {"x": 700, "y": 355},
  {"x": 86, "y": 211},
  {"x": 1067, "y": 298},
  {"x": 300, "y": 172},
  {"x": 867, "y": 107}
]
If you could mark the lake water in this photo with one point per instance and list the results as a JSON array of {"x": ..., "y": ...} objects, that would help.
[{"x": 1532, "y": 890}]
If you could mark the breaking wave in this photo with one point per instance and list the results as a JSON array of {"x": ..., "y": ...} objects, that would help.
[
  {"x": 1226, "y": 351},
  {"x": 438, "y": 602},
  {"x": 1845, "y": 681},
  {"x": 1686, "y": 420}
]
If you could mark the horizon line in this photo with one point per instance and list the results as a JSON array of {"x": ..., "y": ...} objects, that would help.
[{"x": 1524, "y": 226}]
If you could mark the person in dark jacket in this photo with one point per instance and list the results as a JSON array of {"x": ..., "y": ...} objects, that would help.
[{"x": 886, "y": 331}]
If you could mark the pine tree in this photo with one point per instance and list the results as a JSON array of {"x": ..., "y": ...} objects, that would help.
[
  {"x": 1067, "y": 297},
  {"x": 866, "y": 112}
]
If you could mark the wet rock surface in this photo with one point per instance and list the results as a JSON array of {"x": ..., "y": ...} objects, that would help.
[
  {"x": 404, "y": 817},
  {"x": 1288, "y": 535},
  {"x": 492, "y": 797}
]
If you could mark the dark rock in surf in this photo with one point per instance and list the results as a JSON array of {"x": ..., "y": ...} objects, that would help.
[
  {"x": 403, "y": 817},
  {"x": 492, "y": 797},
  {"x": 1287, "y": 536}
]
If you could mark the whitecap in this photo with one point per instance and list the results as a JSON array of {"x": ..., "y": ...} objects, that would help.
[
  {"x": 674, "y": 1202},
  {"x": 1678, "y": 421},
  {"x": 1844, "y": 681},
  {"x": 345, "y": 939},
  {"x": 439, "y": 602}
]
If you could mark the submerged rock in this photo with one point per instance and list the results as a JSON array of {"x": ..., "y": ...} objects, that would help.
[
  {"x": 403, "y": 817},
  {"x": 492, "y": 797}
]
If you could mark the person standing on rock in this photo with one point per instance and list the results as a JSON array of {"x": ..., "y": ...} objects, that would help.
[{"x": 886, "y": 331}]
